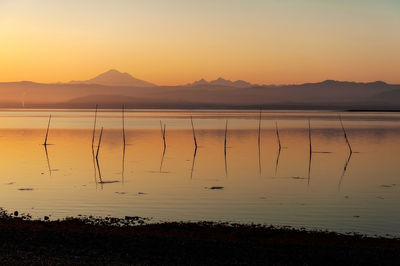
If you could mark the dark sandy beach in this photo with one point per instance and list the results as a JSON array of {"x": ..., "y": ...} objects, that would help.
[{"x": 114, "y": 241}]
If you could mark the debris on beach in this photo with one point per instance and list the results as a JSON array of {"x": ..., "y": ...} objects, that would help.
[
  {"x": 388, "y": 186},
  {"x": 108, "y": 182},
  {"x": 215, "y": 188},
  {"x": 298, "y": 177},
  {"x": 25, "y": 189}
]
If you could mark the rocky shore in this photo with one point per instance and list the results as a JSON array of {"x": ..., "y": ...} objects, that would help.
[{"x": 132, "y": 241}]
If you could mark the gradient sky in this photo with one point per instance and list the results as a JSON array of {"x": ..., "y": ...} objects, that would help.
[{"x": 177, "y": 41}]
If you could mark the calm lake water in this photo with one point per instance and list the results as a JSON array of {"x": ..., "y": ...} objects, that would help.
[{"x": 333, "y": 191}]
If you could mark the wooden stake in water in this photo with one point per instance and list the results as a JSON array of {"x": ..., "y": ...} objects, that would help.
[
  {"x": 163, "y": 126},
  {"x": 94, "y": 126},
  {"x": 345, "y": 135},
  {"x": 194, "y": 133},
  {"x": 98, "y": 146},
  {"x": 47, "y": 132}
]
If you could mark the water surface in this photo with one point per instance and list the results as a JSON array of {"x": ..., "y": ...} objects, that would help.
[{"x": 260, "y": 184}]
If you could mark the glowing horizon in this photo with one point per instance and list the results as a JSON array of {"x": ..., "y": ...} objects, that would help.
[{"x": 177, "y": 42}]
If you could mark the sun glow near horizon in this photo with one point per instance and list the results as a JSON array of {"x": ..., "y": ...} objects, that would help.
[{"x": 177, "y": 42}]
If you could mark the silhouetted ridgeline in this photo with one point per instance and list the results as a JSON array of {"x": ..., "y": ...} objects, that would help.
[{"x": 202, "y": 94}]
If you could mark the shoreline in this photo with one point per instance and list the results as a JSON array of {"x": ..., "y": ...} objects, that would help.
[
  {"x": 255, "y": 108},
  {"x": 82, "y": 241}
]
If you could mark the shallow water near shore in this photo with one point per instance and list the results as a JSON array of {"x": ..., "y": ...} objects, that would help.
[{"x": 249, "y": 183}]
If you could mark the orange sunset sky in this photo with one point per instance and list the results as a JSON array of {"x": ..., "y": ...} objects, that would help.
[{"x": 179, "y": 41}]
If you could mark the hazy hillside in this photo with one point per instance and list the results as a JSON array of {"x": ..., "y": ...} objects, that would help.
[{"x": 201, "y": 94}]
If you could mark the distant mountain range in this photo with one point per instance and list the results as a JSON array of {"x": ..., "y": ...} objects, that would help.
[
  {"x": 222, "y": 82},
  {"x": 113, "y": 88},
  {"x": 113, "y": 77}
]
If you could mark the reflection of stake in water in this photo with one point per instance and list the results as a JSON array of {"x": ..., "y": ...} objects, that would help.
[
  {"x": 162, "y": 159},
  {"x": 311, "y": 151},
  {"x": 195, "y": 147},
  {"x": 277, "y": 161},
  {"x": 98, "y": 168},
  {"x": 47, "y": 158},
  {"x": 193, "y": 162},
  {"x": 259, "y": 144},
  {"x": 45, "y": 144},
  {"x": 94, "y": 127},
  {"x": 97, "y": 156},
  {"x": 93, "y": 135},
  {"x": 123, "y": 126},
  {"x": 163, "y": 134},
  {"x": 350, "y": 153},
  {"x": 94, "y": 167},
  {"x": 98, "y": 165},
  {"x": 279, "y": 147},
  {"x": 344, "y": 170},
  {"x": 225, "y": 141},
  {"x": 123, "y": 165},
  {"x": 309, "y": 167}
]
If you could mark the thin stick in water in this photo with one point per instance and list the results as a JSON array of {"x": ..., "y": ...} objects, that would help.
[
  {"x": 194, "y": 133},
  {"x": 98, "y": 146},
  {"x": 47, "y": 132},
  {"x": 345, "y": 135},
  {"x": 163, "y": 126}
]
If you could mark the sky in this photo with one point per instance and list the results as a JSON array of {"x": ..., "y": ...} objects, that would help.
[{"x": 171, "y": 42}]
